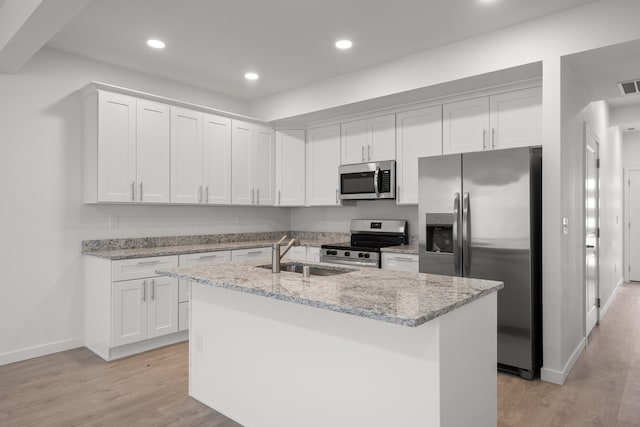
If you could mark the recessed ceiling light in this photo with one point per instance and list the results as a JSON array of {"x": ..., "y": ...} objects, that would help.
[
  {"x": 156, "y": 44},
  {"x": 344, "y": 44},
  {"x": 251, "y": 76}
]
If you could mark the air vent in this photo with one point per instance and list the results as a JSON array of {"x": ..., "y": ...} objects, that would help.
[{"x": 629, "y": 88}]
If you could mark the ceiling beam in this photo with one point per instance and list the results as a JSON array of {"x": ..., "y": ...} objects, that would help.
[{"x": 27, "y": 25}]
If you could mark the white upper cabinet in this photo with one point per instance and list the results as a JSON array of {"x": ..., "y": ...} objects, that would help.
[
  {"x": 323, "y": 161},
  {"x": 152, "y": 152},
  {"x": 290, "y": 168},
  {"x": 506, "y": 120},
  {"x": 253, "y": 158},
  {"x": 381, "y": 138},
  {"x": 368, "y": 140},
  {"x": 216, "y": 160},
  {"x": 263, "y": 160},
  {"x": 465, "y": 126},
  {"x": 516, "y": 118},
  {"x": 186, "y": 156},
  {"x": 114, "y": 145},
  {"x": 419, "y": 134},
  {"x": 353, "y": 142}
]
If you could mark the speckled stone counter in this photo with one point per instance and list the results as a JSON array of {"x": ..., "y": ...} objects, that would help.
[
  {"x": 411, "y": 249},
  {"x": 408, "y": 299},
  {"x": 118, "y": 249}
]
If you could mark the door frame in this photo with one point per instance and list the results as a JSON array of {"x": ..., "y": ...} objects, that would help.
[
  {"x": 627, "y": 219},
  {"x": 587, "y": 133}
]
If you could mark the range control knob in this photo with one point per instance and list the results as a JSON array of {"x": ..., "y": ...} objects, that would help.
[
  {"x": 360, "y": 255},
  {"x": 334, "y": 252},
  {"x": 347, "y": 253},
  {"x": 367, "y": 255}
]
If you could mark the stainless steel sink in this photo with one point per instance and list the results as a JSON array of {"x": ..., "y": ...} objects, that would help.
[{"x": 314, "y": 270}]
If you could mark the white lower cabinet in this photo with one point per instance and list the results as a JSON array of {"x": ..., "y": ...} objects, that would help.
[
  {"x": 400, "y": 262},
  {"x": 247, "y": 254},
  {"x": 128, "y": 307}
]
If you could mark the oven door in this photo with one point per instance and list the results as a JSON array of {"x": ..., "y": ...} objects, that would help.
[{"x": 368, "y": 181}]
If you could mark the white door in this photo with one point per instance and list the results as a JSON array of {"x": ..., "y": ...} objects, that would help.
[
  {"x": 263, "y": 160},
  {"x": 217, "y": 160},
  {"x": 242, "y": 191},
  {"x": 128, "y": 311},
  {"x": 116, "y": 147},
  {"x": 592, "y": 201},
  {"x": 323, "y": 160},
  {"x": 516, "y": 119},
  {"x": 381, "y": 138},
  {"x": 353, "y": 142},
  {"x": 465, "y": 126},
  {"x": 152, "y": 144},
  {"x": 162, "y": 311},
  {"x": 633, "y": 215},
  {"x": 419, "y": 134},
  {"x": 290, "y": 168},
  {"x": 186, "y": 156}
]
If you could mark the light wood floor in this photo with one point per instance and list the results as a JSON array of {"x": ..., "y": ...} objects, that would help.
[{"x": 76, "y": 388}]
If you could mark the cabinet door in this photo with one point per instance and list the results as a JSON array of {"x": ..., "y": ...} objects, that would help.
[
  {"x": 116, "y": 147},
  {"x": 186, "y": 156},
  {"x": 419, "y": 134},
  {"x": 381, "y": 138},
  {"x": 465, "y": 126},
  {"x": 128, "y": 312},
  {"x": 242, "y": 191},
  {"x": 290, "y": 167},
  {"x": 152, "y": 148},
  {"x": 217, "y": 160},
  {"x": 516, "y": 118},
  {"x": 263, "y": 160},
  {"x": 353, "y": 142},
  {"x": 323, "y": 161},
  {"x": 162, "y": 308}
]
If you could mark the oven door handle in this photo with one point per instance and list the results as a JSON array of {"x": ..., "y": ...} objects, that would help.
[{"x": 376, "y": 178}]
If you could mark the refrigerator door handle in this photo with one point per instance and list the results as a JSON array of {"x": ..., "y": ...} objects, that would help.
[
  {"x": 454, "y": 234},
  {"x": 466, "y": 231}
]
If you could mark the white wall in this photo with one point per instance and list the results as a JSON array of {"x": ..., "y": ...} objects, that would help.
[
  {"x": 338, "y": 219},
  {"x": 631, "y": 148},
  {"x": 43, "y": 220}
]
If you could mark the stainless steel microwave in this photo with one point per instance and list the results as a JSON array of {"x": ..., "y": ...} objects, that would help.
[{"x": 368, "y": 181}]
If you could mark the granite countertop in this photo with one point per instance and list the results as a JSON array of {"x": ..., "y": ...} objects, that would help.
[
  {"x": 408, "y": 299},
  {"x": 118, "y": 254},
  {"x": 411, "y": 249}
]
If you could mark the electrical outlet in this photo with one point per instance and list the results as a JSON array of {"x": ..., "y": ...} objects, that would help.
[
  {"x": 113, "y": 222},
  {"x": 198, "y": 344}
]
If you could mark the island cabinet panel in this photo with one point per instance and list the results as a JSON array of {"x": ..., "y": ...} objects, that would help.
[{"x": 330, "y": 369}]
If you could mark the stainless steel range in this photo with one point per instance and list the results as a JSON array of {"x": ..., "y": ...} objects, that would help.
[{"x": 367, "y": 237}]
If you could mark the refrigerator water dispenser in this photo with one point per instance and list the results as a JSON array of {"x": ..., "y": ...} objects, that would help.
[{"x": 439, "y": 233}]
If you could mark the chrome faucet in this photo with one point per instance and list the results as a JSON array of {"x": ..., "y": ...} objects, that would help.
[{"x": 276, "y": 254}]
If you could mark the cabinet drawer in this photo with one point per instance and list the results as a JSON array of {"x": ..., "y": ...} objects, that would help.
[
  {"x": 245, "y": 254},
  {"x": 139, "y": 268},
  {"x": 205, "y": 258},
  {"x": 183, "y": 316},
  {"x": 397, "y": 262}
]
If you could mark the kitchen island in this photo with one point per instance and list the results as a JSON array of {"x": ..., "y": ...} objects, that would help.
[{"x": 365, "y": 347}]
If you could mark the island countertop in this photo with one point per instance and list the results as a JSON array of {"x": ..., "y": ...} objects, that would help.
[{"x": 408, "y": 299}]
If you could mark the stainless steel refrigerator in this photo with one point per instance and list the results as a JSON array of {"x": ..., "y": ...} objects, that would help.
[{"x": 480, "y": 216}]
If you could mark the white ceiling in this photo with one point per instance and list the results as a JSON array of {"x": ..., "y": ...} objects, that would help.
[{"x": 212, "y": 44}]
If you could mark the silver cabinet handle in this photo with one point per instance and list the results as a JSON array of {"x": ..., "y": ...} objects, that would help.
[
  {"x": 403, "y": 258},
  {"x": 148, "y": 262},
  {"x": 368, "y": 152},
  {"x": 376, "y": 178},
  {"x": 363, "y": 153},
  {"x": 200, "y": 194},
  {"x": 454, "y": 234},
  {"x": 466, "y": 233},
  {"x": 140, "y": 190},
  {"x": 258, "y": 196},
  {"x": 493, "y": 138},
  {"x": 133, "y": 191},
  {"x": 153, "y": 290},
  {"x": 337, "y": 197},
  {"x": 206, "y": 192},
  {"x": 252, "y": 194},
  {"x": 144, "y": 291},
  {"x": 397, "y": 193},
  {"x": 278, "y": 197},
  {"x": 484, "y": 139},
  {"x": 208, "y": 256}
]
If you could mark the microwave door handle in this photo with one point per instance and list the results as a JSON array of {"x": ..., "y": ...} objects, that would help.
[
  {"x": 454, "y": 234},
  {"x": 376, "y": 177}
]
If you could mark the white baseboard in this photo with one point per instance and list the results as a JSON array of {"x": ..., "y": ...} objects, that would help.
[
  {"x": 559, "y": 377},
  {"x": 40, "y": 350},
  {"x": 607, "y": 304}
]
